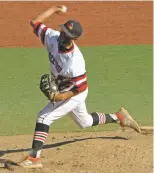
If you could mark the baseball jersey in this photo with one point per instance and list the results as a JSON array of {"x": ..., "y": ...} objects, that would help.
[{"x": 64, "y": 65}]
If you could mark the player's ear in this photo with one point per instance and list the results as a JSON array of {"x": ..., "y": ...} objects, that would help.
[{"x": 74, "y": 39}]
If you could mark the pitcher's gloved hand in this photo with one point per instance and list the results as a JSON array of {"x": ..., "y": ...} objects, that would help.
[{"x": 48, "y": 86}]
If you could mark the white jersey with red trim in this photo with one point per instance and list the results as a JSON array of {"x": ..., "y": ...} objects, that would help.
[{"x": 69, "y": 65}]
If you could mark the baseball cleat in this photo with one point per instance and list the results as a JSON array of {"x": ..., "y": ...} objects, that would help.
[
  {"x": 126, "y": 120},
  {"x": 31, "y": 163}
]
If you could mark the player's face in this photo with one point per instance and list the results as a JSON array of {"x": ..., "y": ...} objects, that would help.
[{"x": 64, "y": 39}]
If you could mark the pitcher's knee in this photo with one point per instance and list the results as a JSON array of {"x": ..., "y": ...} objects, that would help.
[
  {"x": 86, "y": 122},
  {"x": 44, "y": 119}
]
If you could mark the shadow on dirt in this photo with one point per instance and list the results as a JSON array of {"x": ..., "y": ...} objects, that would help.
[
  {"x": 58, "y": 144},
  {"x": 8, "y": 164}
]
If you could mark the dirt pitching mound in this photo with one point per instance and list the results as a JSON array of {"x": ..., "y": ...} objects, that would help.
[{"x": 97, "y": 152}]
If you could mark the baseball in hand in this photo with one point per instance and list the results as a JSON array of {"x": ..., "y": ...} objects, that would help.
[{"x": 63, "y": 9}]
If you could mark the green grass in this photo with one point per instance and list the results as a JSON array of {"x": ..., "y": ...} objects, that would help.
[{"x": 117, "y": 75}]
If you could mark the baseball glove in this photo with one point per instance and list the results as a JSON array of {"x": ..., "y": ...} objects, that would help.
[{"x": 48, "y": 86}]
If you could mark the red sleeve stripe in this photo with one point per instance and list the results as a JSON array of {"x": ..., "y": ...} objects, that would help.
[
  {"x": 39, "y": 30},
  {"x": 35, "y": 27},
  {"x": 82, "y": 88},
  {"x": 76, "y": 79},
  {"x": 80, "y": 85}
]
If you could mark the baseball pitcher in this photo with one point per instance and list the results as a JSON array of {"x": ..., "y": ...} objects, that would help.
[{"x": 66, "y": 86}]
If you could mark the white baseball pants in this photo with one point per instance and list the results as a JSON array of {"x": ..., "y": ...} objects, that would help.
[{"x": 76, "y": 110}]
